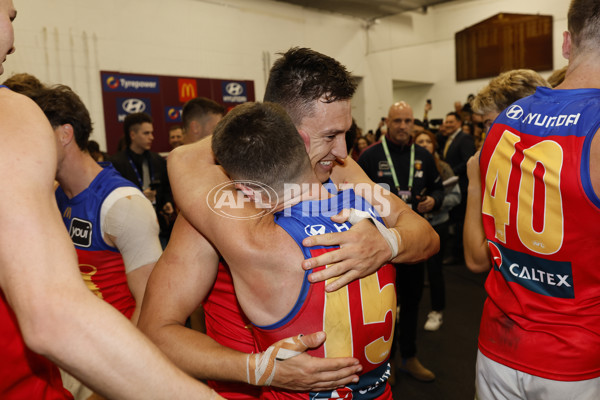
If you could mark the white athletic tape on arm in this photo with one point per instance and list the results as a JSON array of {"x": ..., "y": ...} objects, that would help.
[
  {"x": 391, "y": 236},
  {"x": 260, "y": 367}
]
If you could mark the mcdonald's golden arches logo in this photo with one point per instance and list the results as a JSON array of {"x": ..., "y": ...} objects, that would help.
[
  {"x": 67, "y": 213},
  {"x": 187, "y": 89}
]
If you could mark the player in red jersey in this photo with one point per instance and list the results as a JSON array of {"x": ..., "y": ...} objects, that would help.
[
  {"x": 315, "y": 90},
  {"x": 46, "y": 312},
  {"x": 541, "y": 215},
  {"x": 500, "y": 93},
  {"x": 273, "y": 292}
]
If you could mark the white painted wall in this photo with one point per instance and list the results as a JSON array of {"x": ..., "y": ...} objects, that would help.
[
  {"x": 70, "y": 41},
  {"x": 420, "y": 47}
]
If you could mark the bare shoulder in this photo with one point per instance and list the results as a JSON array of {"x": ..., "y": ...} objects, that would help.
[
  {"x": 28, "y": 151},
  {"x": 189, "y": 168},
  {"x": 188, "y": 158},
  {"x": 178, "y": 157}
]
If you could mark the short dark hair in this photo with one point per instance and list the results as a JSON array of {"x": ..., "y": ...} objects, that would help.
[
  {"x": 197, "y": 108},
  {"x": 583, "y": 21},
  {"x": 455, "y": 114},
  {"x": 93, "y": 146},
  {"x": 174, "y": 127},
  {"x": 62, "y": 106},
  {"x": 301, "y": 76},
  {"x": 131, "y": 120},
  {"x": 23, "y": 82},
  {"x": 259, "y": 142}
]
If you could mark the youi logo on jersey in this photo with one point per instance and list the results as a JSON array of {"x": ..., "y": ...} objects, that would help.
[{"x": 81, "y": 232}]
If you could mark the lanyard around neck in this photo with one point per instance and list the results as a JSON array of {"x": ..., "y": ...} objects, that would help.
[
  {"x": 137, "y": 173},
  {"x": 411, "y": 170}
]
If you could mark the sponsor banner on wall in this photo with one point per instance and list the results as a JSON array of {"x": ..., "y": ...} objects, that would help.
[
  {"x": 163, "y": 98},
  {"x": 131, "y": 105},
  {"x": 234, "y": 92},
  {"x": 187, "y": 89},
  {"x": 130, "y": 83},
  {"x": 173, "y": 114}
]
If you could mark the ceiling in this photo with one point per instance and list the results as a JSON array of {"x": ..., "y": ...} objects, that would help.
[{"x": 367, "y": 9}]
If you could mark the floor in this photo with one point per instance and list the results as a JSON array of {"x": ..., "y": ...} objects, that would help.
[{"x": 449, "y": 352}]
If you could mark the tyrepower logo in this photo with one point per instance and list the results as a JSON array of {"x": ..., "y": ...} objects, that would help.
[
  {"x": 234, "y": 92},
  {"x": 130, "y": 83},
  {"x": 234, "y": 200},
  {"x": 112, "y": 82},
  {"x": 173, "y": 114},
  {"x": 81, "y": 232}
]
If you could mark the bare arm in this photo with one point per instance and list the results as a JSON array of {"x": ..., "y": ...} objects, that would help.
[
  {"x": 477, "y": 255},
  {"x": 595, "y": 163},
  {"x": 181, "y": 279},
  {"x": 362, "y": 249},
  {"x": 58, "y": 316},
  {"x": 137, "y": 280},
  {"x": 130, "y": 225}
]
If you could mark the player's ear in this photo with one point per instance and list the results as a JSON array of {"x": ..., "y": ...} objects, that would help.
[
  {"x": 193, "y": 126},
  {"x": 566, "y": 46},
  {"x": 66, "y": 134},
  {"x": 305, "y": 138}
]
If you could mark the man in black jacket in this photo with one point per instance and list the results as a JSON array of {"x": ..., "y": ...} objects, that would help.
[
  {"x": 459, "y": 147},
  {"x": 409, "y": 171},
  {"x": 146, "y": 169}
]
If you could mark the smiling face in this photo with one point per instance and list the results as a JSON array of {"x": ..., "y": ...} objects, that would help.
[
  {"x": 324, "y": 133},
  {"x": 451, "y": 124},
  {"x": 7, "y": 15},
  {"x": 175, "y": 137}
]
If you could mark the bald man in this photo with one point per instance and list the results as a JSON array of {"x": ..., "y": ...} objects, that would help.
[{"x": 409, "y": 170}]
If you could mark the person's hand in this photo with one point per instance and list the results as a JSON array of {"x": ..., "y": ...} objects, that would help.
[
  {"x": 306, "y": 373},
  {"x": 150, "y": 195},
  {"x": 473, "y": 173},
  {"x": 362, "y": 251},
  {"x": 426, "y": 204}
]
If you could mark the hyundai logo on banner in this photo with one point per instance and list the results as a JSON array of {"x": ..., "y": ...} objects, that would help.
[
  {"x": 129, "y": 83},
  {"x": 173, "y": 113},
  {"x": 234, "y": 92},
  {"x": 132, "y": 105}
]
